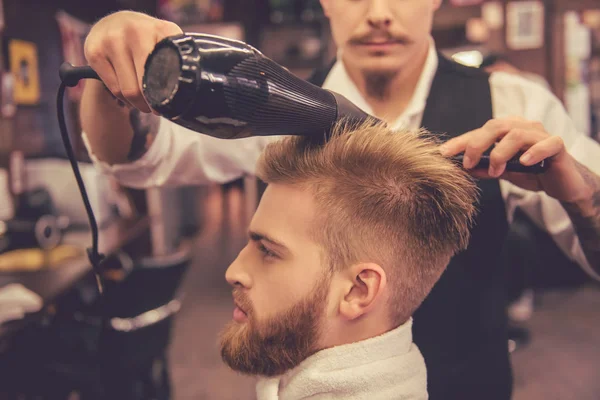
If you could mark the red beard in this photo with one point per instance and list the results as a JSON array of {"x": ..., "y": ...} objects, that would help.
[{"x": 272, "y": 347}]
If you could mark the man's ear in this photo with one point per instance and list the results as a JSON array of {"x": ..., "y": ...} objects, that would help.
[
  {"x": 365, "y": 289},
  {"x": 326, "y": 4}
]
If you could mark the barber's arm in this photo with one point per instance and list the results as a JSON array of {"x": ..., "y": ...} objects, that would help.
[
  {"x": 585, "y": 215},
  {"x": 178, "y": 156},
  {"x": 129, "y": 142},
  {"x": 565, "y": 199}
]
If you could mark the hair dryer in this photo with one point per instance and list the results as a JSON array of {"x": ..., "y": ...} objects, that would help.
[{"x": 228, "y": 89}]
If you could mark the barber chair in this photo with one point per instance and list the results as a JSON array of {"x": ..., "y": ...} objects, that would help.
[
  {"x": 97, "y": 348},
  {"x": 140, "y": 313}
]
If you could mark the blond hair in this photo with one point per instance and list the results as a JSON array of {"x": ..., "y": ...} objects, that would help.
[{"x": 385, "y": 197}]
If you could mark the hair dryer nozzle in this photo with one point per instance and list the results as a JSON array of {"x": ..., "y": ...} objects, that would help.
[{"x": 163, "y": 72}]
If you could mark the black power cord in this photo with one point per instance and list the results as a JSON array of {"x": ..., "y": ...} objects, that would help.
[{"x": 70, "y": 76}]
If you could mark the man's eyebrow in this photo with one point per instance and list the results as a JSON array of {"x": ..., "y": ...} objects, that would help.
[{"x": 257, "y": 236}]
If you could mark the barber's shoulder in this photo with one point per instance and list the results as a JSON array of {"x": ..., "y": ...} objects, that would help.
[
  {"x": 460, "y": 69},
  {"x": 520, "y": 82},
  {"x": 514, "y": 94}
]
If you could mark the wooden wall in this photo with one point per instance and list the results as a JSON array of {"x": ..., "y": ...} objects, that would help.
[
  {"x": 557, "y": 57},
  {"x": 34, "y": 129}
]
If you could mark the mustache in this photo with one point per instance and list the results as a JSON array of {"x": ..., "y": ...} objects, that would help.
[
  {"x": 241, "y": 299},
  {"x": 378, "y": 36}
]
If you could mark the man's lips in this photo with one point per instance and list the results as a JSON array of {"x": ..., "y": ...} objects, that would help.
[
  {"x": 380, "y": 43},
  {"x": 239, "y": 315},
  {"x": 235, "y": 303}
]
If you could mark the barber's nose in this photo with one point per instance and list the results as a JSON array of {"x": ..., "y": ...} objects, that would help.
[
  {"x": 379, "y": 14},
  {"x": 236, "y": 274}
]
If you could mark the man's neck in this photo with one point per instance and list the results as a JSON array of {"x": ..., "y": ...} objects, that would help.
[
  {"x": 399, "y": 91},
  {"x": 356, "y": 331}
]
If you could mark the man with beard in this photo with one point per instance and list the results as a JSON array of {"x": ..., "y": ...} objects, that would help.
[
  {"x": 388, "y": 66},
  {"x": 348, "y": 239}
]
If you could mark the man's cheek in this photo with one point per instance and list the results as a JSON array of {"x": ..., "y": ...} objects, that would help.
[{"x": 262, "y": 315}]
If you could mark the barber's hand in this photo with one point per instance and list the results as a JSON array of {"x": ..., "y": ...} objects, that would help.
[
  {"x": 117, "y": 48},
  {"x": 563, "y": 180}
]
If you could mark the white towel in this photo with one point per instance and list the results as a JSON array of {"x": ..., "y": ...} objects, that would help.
[
  {"x": 386, "y": 367},
  {"x": 16, "y": 300}
]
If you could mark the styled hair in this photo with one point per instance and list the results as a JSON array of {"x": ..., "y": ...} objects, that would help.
[{"x": 383, "y": 196}]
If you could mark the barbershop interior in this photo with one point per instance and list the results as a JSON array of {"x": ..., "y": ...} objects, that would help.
[{"x": 142, "y": 258}]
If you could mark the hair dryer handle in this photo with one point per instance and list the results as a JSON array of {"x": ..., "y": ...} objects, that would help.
[
  {"x": 71, "y": 75},
  {"x": 513, "y": 165}
]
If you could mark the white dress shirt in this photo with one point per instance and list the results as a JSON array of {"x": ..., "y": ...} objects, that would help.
[{"x": 179, "y": 156}]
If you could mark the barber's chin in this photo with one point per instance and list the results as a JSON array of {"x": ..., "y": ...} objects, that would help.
[{"x": 239, "y": 316}]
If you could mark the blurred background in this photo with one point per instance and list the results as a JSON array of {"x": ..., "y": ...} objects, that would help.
[{"x": 175, "y": 244}]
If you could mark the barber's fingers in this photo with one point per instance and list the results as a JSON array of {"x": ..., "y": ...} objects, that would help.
[
  {"x": 480, "y": 140},
  {"x": 119, "y": 55},
  {"x": 476, "y": 142},
  {"x": 117, "y": 48},
  {"x": 510, "y": 145},
  {"x": 98, "y": 61},
  {"x": 550, "y": 147}
]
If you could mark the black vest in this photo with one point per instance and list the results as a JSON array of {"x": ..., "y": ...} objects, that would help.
[{"x": 461, "y": 327}]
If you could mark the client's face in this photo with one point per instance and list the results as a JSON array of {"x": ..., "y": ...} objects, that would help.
[{"x": 280, "y": 288}]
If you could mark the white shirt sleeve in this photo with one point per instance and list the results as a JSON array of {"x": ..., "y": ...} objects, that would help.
[
  {"x": 515, "y": 96},
  {"x": 179, "y": 156}
]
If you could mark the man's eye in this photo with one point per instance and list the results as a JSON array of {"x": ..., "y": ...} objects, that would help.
[{"x": 266, "y": 251}]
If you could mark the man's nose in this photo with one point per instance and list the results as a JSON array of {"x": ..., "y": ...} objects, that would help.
[
  {"x": 379, "y": 14},
  {"x": 236, "y": 274}
]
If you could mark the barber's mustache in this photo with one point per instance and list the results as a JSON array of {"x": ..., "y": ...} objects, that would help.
[{"x": 380, "y": 36}]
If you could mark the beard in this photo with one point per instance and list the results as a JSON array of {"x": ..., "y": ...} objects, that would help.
[
  {"x": 378, "y": 84},
  {"x": 272, "y": 347}
]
